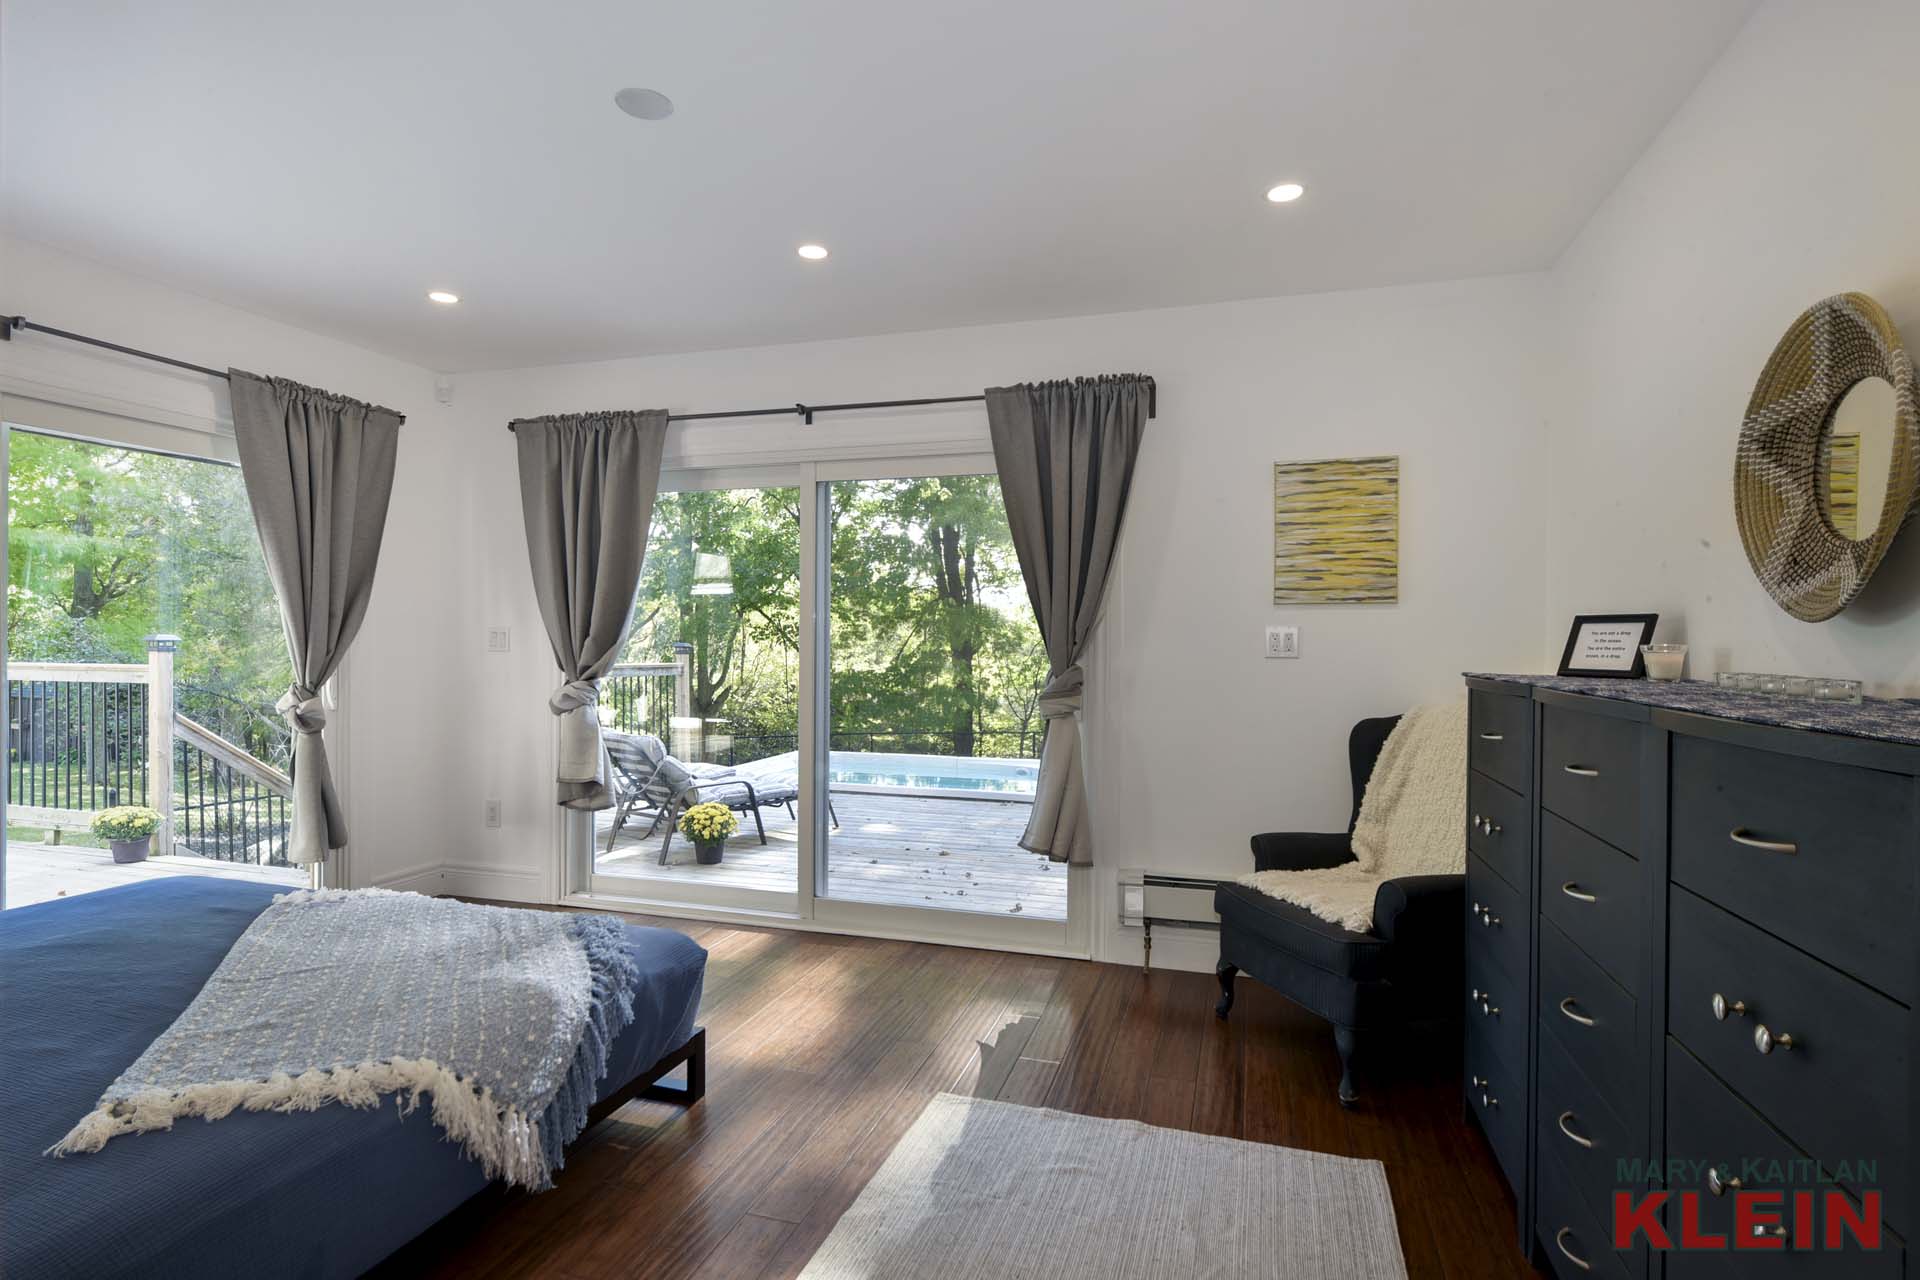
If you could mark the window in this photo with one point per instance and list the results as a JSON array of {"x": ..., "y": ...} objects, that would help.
[{"x": 145, "y": 656}]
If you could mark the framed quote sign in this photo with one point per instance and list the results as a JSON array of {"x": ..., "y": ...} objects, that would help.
[{"x": 1608, "y": 644}]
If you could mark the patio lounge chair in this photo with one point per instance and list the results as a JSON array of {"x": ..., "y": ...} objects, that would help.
[{"x": 653, "y": 782}]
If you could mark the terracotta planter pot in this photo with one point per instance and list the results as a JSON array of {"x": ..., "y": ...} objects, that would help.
[
  {"x": 132, "y": 850},
  {"x": 708, "y": 853}
]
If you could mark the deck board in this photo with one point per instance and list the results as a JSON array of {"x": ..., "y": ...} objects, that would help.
[
  {"x": 39, "y": 872},
  {"x": 916, "y": 851}
]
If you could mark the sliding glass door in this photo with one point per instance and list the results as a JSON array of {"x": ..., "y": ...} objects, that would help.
[
  {"x": 843, "y": 654},
  {"x": 704, "y": 701},
  {"x": 935, "y": 667}
]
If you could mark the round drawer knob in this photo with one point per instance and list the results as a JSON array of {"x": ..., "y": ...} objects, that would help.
[
  {"x": 1766, "y": 1041},
  {"x": 1719, "y": 1185},
  {"x": 1723, "y": 1006}
]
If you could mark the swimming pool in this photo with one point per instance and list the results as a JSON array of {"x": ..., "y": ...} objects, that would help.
[
  {"x": 884, "y": 770},
  {"x": 899, "y": 773}
]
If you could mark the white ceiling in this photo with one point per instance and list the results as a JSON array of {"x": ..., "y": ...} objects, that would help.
[{"x": 967, "y": 162}]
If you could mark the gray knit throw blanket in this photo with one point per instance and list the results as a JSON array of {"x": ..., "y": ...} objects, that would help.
[{"x": 501, "y": 1017}]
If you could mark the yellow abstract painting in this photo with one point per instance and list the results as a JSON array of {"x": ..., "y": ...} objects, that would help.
[{"x": 1336, "y": 531}]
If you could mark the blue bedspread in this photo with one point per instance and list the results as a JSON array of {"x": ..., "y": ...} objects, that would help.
[{"x": 86, "y": 983}]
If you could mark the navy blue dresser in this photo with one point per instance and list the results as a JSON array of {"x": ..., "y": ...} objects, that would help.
[{"x": 1691, "y": 963}]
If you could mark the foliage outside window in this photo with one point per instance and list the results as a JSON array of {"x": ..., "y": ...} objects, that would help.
[
  {"x": 106, "y": 546},
  {"x": 934, "y": 647}
]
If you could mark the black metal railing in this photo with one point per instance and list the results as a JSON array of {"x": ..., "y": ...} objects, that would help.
[
  {"x": 76, "y": 744},
  {"x": 1010, "y": 741},
  {"x": 640, "y": 702},
  {"x": 225, "y": 813}
]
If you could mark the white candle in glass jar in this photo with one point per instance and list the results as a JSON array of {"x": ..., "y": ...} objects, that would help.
[{"x": 1664, "y": 661}]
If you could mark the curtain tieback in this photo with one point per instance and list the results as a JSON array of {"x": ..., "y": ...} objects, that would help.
[
  {"x": 303, "y": 709},
  {"x": 573, "y": 695},
  {"x": 1061, "y": 697}
]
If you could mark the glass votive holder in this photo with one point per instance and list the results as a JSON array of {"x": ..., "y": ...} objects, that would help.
[
  {"x": 1828, "y": 690},
  {"x": 1664, "y": 661}
]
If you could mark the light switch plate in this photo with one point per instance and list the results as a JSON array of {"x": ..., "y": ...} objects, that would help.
[
  {"x": 1283, "y": 642},
  {"x": 499, "y": 639}
]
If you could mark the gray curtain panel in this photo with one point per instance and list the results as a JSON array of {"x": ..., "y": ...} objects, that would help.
[
  {"x": 1066, "y": 453},
  {"x": 587, "y": 485},
  {"x": 319, "y": 473}
]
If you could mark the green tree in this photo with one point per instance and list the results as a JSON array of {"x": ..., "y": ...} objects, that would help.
[
  {"x": 109, "y": 545},
  {"x": 933, "y": 642}
]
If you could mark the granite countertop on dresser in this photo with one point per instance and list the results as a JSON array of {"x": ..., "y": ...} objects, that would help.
[{"x": 1882, "y": 719}]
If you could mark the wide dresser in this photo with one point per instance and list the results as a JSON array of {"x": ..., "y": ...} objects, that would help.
[{"x": 1691, "y": 962}]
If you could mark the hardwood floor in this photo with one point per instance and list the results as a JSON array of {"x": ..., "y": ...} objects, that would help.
[{"x": 822, "y": 1051}]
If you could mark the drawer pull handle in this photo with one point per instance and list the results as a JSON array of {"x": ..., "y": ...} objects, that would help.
[
  {"x": 1571, "y": 1135},
  {"x": 1777, "y": 1229},
  {"x": 1489, "y": 919},
  {"x": 1493, "y": 737},
  {"x": 1573, "y": 890},
  {"x": 1766, "y": 1041},
  {"x": 1723, "y": 1006},
  {"x": 1580, "y": 771},
  {"x": 1719, "y": 1185},
  {"x": 1566, "y": 1007},
  {"x": 1478, "y": 1083},
  {"x": 1560, "y": 1243},
  {"x": 1739, "y": 836},
  {"x": 1488, "y": 1102}
]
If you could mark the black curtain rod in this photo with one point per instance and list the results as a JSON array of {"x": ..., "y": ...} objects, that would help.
[
  {"x": 806, "y": 411},
  {"x": 10, "y": 323}
]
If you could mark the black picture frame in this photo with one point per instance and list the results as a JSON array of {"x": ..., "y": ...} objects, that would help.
[{"x": 1570, "y": 666}]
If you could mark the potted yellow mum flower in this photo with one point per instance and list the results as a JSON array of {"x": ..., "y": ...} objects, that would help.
[
  {"x": 130, "y": 827},
  {"x": 708, "y": 825}
]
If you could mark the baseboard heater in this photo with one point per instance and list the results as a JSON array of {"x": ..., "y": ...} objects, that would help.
[{"x": 1149, "y": 898}]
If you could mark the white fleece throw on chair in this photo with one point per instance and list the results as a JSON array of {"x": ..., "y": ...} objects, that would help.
[
  {"x": 1413, "y": 822},
  {"x": 503, "y": 1016}
]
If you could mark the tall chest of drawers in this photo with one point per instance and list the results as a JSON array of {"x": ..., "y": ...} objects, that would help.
[{"x": 1691, "y": 965}]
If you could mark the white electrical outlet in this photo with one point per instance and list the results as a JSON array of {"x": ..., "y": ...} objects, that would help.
[
  {"x": 493, "y": 812},
  {"x": 1283, "y": 642},
  {"x": 499, "y": 640}
]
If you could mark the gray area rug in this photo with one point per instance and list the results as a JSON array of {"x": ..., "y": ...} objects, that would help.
[{"x": 981, "y": 1190}]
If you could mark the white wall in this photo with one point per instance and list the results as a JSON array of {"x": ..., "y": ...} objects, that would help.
[
  {"x": 1196, "y": 740},
  {"x": 397, "y": 731},
  {"x": 1787, "y": 177}
]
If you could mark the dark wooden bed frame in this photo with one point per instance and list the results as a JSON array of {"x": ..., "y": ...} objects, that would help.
[{"x": 649, "y": 1085}]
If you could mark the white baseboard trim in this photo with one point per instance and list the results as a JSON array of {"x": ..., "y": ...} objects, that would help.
[
  {"x": 501, "y": 884},
  {"x": 425, "y": 879},
  {"x": 1183, "y": 950}
]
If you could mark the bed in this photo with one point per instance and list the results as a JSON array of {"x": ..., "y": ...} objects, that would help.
[{"x": 86, "y": 983}]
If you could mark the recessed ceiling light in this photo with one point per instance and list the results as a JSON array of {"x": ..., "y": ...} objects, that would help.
[
  {"x": 1286, "y": 193},
  {"x": 644, "y": 104},
  {"x": 442, "y": 297},
  {"x": 812, "y": 252}
]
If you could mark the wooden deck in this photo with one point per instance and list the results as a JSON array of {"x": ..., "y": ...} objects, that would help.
[
  {"x": 915, "y": 851},
  {"x": 39, "y": 872}
]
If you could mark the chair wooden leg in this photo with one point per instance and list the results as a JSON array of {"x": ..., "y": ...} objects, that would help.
[
  {"x": 1225, "y": 972},
  {"x": 1343, "y": 1041}
]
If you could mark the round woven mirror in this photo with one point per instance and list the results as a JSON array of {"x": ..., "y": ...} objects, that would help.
[{"x": 1827, "y": 465}]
